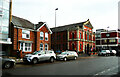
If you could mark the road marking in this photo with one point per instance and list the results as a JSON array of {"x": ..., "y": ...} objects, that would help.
[{"x": 107, "y": 70}]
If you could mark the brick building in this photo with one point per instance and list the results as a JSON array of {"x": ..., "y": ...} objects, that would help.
[
  {"x": 109, "y": 40},
  {"x": 78, "y": 37},
  {"x": 29, "y": 37}
]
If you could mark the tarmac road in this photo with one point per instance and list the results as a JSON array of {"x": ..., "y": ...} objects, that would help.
[{"x": 91, "y": 66}]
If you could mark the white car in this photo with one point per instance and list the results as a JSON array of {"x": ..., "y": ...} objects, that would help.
[
  {"x": 113, "y": 52},
  {"x": 37, "y": 56},
  {"x": 67, "y": 55},
  {"x": 104, "y": 53}
]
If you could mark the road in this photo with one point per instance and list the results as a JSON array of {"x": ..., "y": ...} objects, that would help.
[{"x": 83, "y": 66}]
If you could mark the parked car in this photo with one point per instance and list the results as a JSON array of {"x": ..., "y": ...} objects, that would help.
[
  {"x": 7, "y": 62},
  {"x": 37, "y": 56},
  {"x": 67, "y": 55},
  {"x": 113, "y": 52},
  {"x": 104, "y": 53}
]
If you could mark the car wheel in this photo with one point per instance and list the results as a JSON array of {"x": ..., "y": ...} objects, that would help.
[
  {"x": 75, "y": 58},
  {"x": 8, "y": 65},
  {"x": 65, "y": 59},
  {"x": 34, "y": 61},
  {"x": 51, "y": 59}
]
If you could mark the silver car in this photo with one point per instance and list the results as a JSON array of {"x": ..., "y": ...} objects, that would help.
[
  {"x": 7, "y": 62},
  {"x": 67, "y": 55},
  {"x": 37, "y": 56}
]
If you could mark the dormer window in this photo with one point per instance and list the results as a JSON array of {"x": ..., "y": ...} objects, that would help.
[
  {"x": 26, "y": 34},
  {"x": 41, "y": 35}
]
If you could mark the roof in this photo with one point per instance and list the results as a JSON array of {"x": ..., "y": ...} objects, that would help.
[
  {"x": 70, "y": 26},
  {"x": 20, "y": 22},
  {"x": 40, "y": 25}
]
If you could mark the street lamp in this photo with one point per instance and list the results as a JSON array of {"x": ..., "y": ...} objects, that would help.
[
  {"x": 55, "y": 27},
  {"x": 107, "y": 35}
]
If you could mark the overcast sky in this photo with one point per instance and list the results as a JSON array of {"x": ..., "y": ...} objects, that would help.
[{"x": 101, "y": 13}]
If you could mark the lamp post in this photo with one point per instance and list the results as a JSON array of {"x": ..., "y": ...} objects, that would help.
[
  {"x": 55, "y": 32},
  {"x": 107, "y": 37}
]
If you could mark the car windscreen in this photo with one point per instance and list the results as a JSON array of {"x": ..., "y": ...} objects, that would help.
[
  {"x": 36, "y": 52},
  {"x": 103, "y": 51},
  {"x": 64, "y": 53}
]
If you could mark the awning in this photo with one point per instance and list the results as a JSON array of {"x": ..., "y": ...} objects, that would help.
[{"x": 25, "y": 41}]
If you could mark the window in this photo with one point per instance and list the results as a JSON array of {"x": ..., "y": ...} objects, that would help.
[
  {"x": 105, "y": 41},
  {"x": 72, "y": 46},
  {"x": 85, "y": 36},
  {"x": 26, "y": 34},
  {"x": 46, "y": 46},
  {"x": 119, "y": 41},
  {"x": 107, "y": 35},
  {"x": 26, "y": 47},
  {"x": 80, "y": 36},
  {"x": 80, "y": 46},
  {"x": 112, "y": 40},
  {"x": 41, "y": 46},
  {"x": 72, "y": 35},
  {"x": 88, "y": 35},
  {"x": 41, "y": 35},
  {"x": 46, "y": 36}
]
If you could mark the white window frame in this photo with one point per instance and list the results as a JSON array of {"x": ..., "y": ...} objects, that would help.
[
  {"x": 46, "y": 47},
  {"x": 41, "y": 47},
  {"x": 46, "y": 36},
  {"x": 41, "y": 35},
  {"x": 23, "y": 48},
  {"x": 24, "y": 34}
]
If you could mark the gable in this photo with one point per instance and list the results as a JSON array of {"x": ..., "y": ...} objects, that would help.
[
  {"x": 44, "y": 27},
  {"x": 88, "y": 24}
]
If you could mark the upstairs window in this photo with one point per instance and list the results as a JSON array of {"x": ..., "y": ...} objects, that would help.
[
  {"x": 41, "y": 35},
  {"x": 107, "y": 35},
  {"x": 72, "y": 35},
  {"x": 26, "y": 34},
  {"x": 80, "y": 36},
  {"x": 46, "y": 36}
]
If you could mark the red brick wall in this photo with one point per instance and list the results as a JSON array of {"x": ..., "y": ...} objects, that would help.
[
  {"x": 44, "y": 30},
  {"x": 75, "y": 34},
  {"x": 32, "y": 38}
]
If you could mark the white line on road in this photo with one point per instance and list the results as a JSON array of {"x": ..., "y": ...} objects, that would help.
[{"x": 107, "y": 70}]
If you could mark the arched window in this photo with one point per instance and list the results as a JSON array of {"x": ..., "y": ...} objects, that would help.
[
  {"x": 41, "y": 35},
  {"x": 46, "y": 46},
  {"x": 46, "y": 36},
  {"x": 41, "y": 46}
]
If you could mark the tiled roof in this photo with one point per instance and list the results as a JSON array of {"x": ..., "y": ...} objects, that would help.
[
  {"x": 66, "y": 27},
  {"x": 20, "y": 22}
]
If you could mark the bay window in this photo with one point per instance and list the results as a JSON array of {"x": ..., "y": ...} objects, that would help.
[{"x": 26, "y": 47}]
